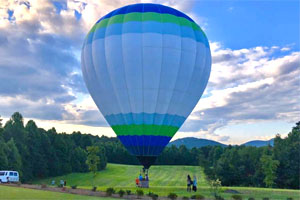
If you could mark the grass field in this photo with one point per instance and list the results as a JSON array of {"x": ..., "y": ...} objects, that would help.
[
  {"x": 18, "y": 193},
  {"x": 163, "y": 180}
]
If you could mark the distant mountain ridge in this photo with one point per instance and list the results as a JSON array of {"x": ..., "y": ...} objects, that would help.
[
  {"x": 259, "y": 143},
  {"x": 191, "y": 142}
]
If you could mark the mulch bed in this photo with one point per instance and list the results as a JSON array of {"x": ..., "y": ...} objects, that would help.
[{"x": 79, "y": 191}]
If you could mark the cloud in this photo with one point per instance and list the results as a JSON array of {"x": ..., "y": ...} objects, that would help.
[
  {"x": 40, "y": 45},
  {"x": 248, "y": 85},
  {"x": 40, "y": 73}
]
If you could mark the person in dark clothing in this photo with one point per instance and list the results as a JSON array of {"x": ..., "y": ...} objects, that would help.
[{"x": 188, "y": 183}]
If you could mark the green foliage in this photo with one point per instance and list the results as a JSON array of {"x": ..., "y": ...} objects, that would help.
[
  {"x": 152, "y": 195},
  {"x": 74, "y": 186},
  {"x": 286, "y": 151},
  {"x": 48, "y": 153},
  {"x": 269, "y": 167},
  {"x": 128, "y": 192},
  {"x": 237, "y": 197},
  {"x": 0, "y": 122},
  {"x": 13, "y": 156},
  {"x": 197, "y": 196},
  {"x": 110, "y": 191},
  {"x": 3, "y": 155},
  {"x": 172, "y": 196},
  {"x": 251, "y": 198},
  {"x": 121, "y": 193},
  {"x": 139, "y": 192},
  {"x": 94, "y": 188},
  {"x": 93, "y": 160},
  {"x": 289, "y": 198},
  {"x": 265, "y": 198},
  {"x": 215, "y": 187},
  {"x": 218, "y": 197},
  {"x": 185, "y": 198}
]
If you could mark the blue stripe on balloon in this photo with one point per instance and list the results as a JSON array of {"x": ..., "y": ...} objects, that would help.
[
  {"x": 145, "y": 145},
  {"x": 137, "y": 140},
  {"x": 145, "y": 150},
  {"x": 142, "y": 8},
  {"x": 152, "y": 27},
  {"x": 145, "y": 118}
]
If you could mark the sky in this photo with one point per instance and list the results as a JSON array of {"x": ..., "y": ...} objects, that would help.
[{"x": 253, "y": 91}]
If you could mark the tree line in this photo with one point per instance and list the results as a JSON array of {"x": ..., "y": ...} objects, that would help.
[{"x": 38, "y": 153}]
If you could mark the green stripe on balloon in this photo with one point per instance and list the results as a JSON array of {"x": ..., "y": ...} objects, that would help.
[
  {"x": 159, "y": 130},
  {"x": 142, "y": 17}
]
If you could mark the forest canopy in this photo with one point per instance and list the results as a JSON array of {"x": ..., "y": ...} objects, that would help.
[{"x": 38, "y": 153}]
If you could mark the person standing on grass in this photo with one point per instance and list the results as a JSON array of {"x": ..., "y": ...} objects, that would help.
[
  {"x": 195, "y": 184},
  {"x": 189, "y": 183},
  {"x": 140, "y": 177},
  {"x": 137, "y": 181}
]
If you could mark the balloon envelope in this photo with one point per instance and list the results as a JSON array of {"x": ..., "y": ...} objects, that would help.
[{"x": 146, "y": 67}]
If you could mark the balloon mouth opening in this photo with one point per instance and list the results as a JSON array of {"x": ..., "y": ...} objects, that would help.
[{"x": 147, "y": 161}]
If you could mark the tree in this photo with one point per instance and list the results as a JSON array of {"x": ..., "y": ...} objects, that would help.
[
  {"x": 286, "y": 151},
  {"x": 13, "y": 156},
  {"x": 0, "y": 122},
  {"x": 3, "y": 156},
  {"x": 269, "y": 167},
  {"x": 93, "y": 160},
  {"x": 78, "y": 159},
  {"x": 35, "y": 146}
]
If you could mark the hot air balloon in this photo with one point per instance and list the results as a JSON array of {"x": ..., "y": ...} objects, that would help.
[{"x": 146, "y": 67}]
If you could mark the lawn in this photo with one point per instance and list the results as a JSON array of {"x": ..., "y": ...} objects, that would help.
[
  {"x": 18, "y": 193},
  {"x": 163, "y": 180}
]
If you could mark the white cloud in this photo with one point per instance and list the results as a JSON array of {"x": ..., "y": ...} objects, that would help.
[
  {"x": 247, "y": 85},
  {"x": 39, "y": 48}
]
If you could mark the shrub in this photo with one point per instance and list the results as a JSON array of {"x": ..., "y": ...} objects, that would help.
[
  {"x": 94, "y": 189},
  {"x": 172, "y": 196},
  {"x": 251, "y": 198},
  {"x": 218, "y": 197},
  {"x": 197, "y": 196},
  {"x": 59, "y": 185},
  {"x": 150, "y": 194},
  {"x": 215, "y": 188},
  {"x": 266, "y": 198},
  {"x": 237, "y": 197},
  {"x": 110, "y": 191},
  {"x": 289, "y": 198},
  {"x": 139, "y": 192},
  {"x": 154, "y": 196},
  {"x": 121, "y": 193},
  {"x": 128, "y": 192},
  {"x": 74, "y": 186},
  {"x": 185, "y": 198}
]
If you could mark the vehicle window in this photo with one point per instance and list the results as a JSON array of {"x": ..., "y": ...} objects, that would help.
[
  {"x": 1, "y": 173},
  {"x": 11, "y": 173},
  {"x": 15, "y": 174}
]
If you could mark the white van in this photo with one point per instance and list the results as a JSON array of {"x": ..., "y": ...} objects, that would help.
[{"x": 9, "y": 176}]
